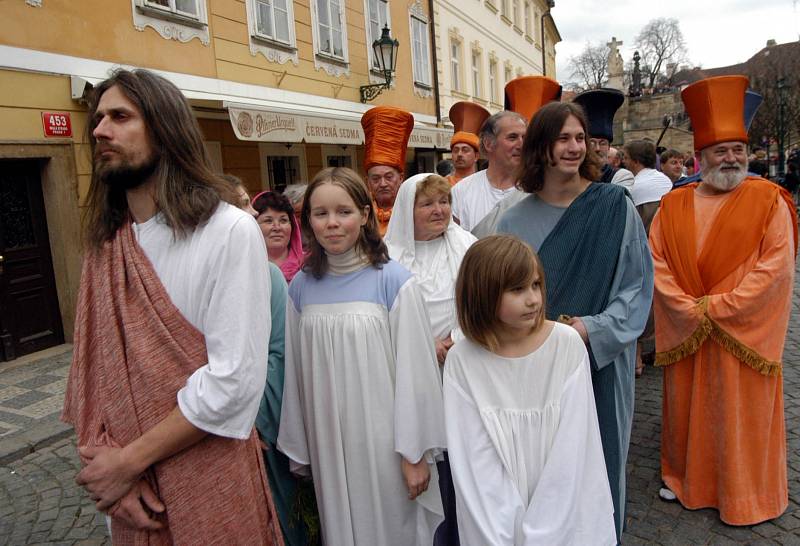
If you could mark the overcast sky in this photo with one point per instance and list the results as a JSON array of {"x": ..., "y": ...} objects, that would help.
[{"x": 717, "y": 32}]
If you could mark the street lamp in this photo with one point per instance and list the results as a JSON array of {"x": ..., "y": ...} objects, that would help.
[{"x": 385, "y": 51}]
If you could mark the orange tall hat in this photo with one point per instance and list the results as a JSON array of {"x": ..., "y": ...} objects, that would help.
[
  {"x": 386, "y": 132},
  {"x": 467, "y": 118},
  {"x": 526, "y": 94},
  {"x": 716, "y": 108}
]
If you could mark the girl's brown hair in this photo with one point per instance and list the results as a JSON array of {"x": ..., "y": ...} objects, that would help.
[
  {"x": 541, "y": 136},
  {"x": 491, "y": 266},
  {"x": 369, "y": 241}
]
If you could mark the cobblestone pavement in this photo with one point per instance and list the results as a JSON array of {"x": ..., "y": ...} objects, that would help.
[
  {"x": 40, "y": 503},
  {"x": 652, "y": 521},
  {"x": 31, "y": 397}
]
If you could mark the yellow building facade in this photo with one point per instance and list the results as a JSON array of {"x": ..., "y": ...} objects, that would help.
[{"x": 292, "y": 68}]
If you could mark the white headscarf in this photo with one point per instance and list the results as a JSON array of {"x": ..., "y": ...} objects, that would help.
[{"x": 437, "y": 277}]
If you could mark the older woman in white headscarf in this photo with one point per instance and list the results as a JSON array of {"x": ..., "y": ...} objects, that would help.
[{"x": 422, "y": 236}]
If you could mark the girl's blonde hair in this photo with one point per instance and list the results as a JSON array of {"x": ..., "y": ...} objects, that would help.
[{"x": 491, "y": 266}]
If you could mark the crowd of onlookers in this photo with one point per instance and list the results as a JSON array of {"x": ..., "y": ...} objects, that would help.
[{"x": 681, "y": 167}]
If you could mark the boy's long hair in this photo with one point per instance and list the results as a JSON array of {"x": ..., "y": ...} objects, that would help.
[
  {"x": 369, "y": 241},
  {"x": 187, "y": 191},
  {"x": 491, "y": 266},
  {"x": 537, "y": 146}
]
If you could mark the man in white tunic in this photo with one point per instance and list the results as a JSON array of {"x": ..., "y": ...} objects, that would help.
[
  {"x": 649, "y": 185},
  {"x": 171, "y": 338},
  {"x": 501, "y": 143}
]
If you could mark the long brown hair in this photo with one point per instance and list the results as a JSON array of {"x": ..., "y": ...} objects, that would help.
[
  {"x": 187, "y": 191},
  {"x": 491, "y": 266},
  {"x": 369, "y": 241},
  {"x": 537, "y": 147}
]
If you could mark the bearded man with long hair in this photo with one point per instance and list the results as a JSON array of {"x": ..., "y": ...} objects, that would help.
[
  {"x": 171, "y": 333},
  {"x": 724, "y": 252}
]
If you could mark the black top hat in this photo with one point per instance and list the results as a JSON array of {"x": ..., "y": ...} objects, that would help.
[
  {"x": 752, "y": 101},
  {"x": 600, "y": 106}
]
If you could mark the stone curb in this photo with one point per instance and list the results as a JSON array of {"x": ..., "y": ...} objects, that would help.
[{"x": 41, "y": 435}]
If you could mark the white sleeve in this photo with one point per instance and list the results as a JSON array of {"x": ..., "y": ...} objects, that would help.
[
  {"x": 572, "y": 502},
  {"x": 456, "y": 197},
  {"x": 222, "y": 397},
  {"x": 488, "y": 505},
  {"x": 292, "y": 432},
  {"x": 623, "y": 177},
  {"x": 418, "y": 422}
]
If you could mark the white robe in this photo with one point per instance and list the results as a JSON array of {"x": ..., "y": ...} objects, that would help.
[
  {"x": 435, "y": 263},
  {"x": 218, "y": 278},
  {"x": 361, "y": 391},
  {"x": 649, "y": 185},
  {"x": 524, "y": 446},
  {"x": 473, "y": 198}
]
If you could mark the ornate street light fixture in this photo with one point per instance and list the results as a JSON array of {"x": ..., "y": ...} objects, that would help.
[{"x": 385, "y": 51}]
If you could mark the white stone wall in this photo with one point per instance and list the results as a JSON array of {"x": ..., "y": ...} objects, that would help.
[{"x": 496, "y": 35}]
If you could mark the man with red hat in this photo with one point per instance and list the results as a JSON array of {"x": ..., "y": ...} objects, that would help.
[
  {"x": 482, "y": 208},
  {"x": 467, "y": 118},
  {"x": 724, "y": 252},
  {"x": 386, "y": 132}
]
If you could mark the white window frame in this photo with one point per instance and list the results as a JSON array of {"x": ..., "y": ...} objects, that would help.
[
  {"x": 492, "y": 79},
  {"x": 255, "y": 32},
  {"x": 455, "y": 64},
  {"x": 527, "y": 17},
  {"x": 505, "y": 10},
  {"x": 171, "y": 23},
  {"x": 274, "y": 50},
  {"x": 384, "y": 18},
  {"x": 476, "y": 59},
  {"x": 508, "y": 72},
  {"x": 420, "y": 50},
  {"x": 172, "y": 8},
  {"x": 331, "y": 64},
  {"x": 515, "y": 14}
]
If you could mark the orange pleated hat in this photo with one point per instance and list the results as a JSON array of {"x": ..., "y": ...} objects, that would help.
[
  {"x": 467, "y": 119},
  {"x": 526, "y": 94},
  {"x": 386, "y": 132},
  {"x": 716, "y": 108}
]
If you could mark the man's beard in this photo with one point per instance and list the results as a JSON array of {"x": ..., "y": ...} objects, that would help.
[
  {"x": 725, "y": 180},
  {"x": 126, "y": 176}
]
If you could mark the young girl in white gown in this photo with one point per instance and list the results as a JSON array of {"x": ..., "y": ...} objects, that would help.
[
  {"x": 362, "y": 395},
  {"x": 522, "y": 429}
]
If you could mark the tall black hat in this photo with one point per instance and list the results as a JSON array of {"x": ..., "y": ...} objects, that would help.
[
  {"x": 752, "y": 101},
  {"x": 600, "y": 106}
]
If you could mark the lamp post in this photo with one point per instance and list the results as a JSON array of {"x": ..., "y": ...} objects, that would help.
[{"x": 385, "y": 51}]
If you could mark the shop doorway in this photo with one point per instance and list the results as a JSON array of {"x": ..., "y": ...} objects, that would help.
[{"x": 30, "y": 319}]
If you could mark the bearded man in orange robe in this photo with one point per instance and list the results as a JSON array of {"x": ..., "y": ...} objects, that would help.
[
  {"x": 724, "y": 254},
  {"x": 386, "y": 133}
]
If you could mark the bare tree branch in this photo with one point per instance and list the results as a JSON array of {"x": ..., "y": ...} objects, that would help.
[
  {"x": 662, "y": 48},
  {"x": 590, "y": 67}
]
